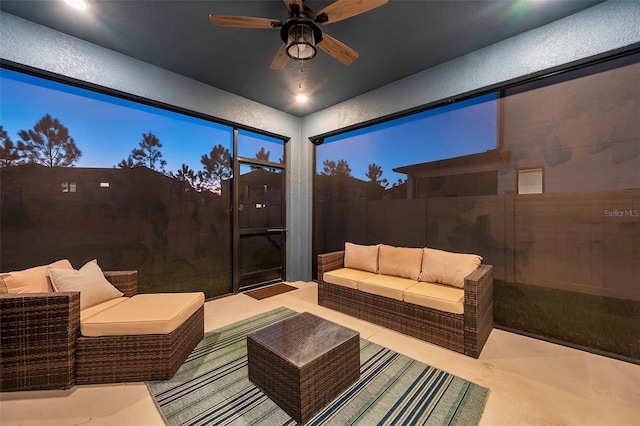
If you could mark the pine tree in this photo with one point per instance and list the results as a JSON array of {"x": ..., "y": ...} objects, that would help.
[{"x": 48, "y": 144}]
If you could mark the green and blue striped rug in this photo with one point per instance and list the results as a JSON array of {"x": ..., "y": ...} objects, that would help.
[{"x": 212, "y": 388}]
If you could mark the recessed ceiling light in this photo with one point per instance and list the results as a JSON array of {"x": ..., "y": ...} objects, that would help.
[
  {"x": 77, "y": 4},
  {"x": 302, "y": 98}
]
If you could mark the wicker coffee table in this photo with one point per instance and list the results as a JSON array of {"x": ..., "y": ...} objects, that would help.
[{"x": 304, "y": 362}]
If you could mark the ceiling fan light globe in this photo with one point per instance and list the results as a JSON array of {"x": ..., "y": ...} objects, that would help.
[{"x": 301, "y": 51}]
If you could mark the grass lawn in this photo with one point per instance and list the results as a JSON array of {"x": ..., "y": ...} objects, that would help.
[{"x": 604, "y": 323}]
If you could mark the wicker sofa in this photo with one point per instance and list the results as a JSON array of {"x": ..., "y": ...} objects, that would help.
[
  {"x": 381, "y": 284},
  {"x": 43, "y": 346}
]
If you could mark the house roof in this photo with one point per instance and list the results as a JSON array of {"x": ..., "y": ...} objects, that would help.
[
  {"x": 348, "y": 181},
  {"x": 394, "y": 41},
  {"x": 491, "y": 156}
]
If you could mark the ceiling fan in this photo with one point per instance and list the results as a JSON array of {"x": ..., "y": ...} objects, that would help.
[{"x": 300, "y": 32}]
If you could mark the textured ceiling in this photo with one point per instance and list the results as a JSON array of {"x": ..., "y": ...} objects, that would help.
[{"x": 394, "y": 41}]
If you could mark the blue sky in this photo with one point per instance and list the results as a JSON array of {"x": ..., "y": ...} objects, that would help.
[
  {"x": 462, "y": 128},
  {"x": 106, "y": 129}
]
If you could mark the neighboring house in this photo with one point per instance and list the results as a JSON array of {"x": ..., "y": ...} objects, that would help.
[
  {"x": 469, "y": 175},
  {"x": 125, "y": 215},
  {"x": 552, "y": 141},
  {"x": 397, "y": 191},
  {"x": 330, "y": 189},
  {"x": 259, "y": 198}
]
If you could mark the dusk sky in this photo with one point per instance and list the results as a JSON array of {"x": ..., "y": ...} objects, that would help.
[
  {"x": 451, "y": 131},
  {"x": 106, "y": 129}
]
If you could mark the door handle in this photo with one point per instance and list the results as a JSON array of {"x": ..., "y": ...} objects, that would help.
[{"x": 274, "y": 230}]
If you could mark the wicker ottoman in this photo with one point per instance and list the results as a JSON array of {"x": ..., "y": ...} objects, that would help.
[{"x": 304, "y": 362}]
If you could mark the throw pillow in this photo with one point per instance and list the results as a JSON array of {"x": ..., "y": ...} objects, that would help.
[
  {"x": 89, "y": 281},
  {"x": 400, "y": 261},
  {"x": 361, "y": 257},
  {"x": 444, "y": 267},
  {"x": 32, "y": 280}
]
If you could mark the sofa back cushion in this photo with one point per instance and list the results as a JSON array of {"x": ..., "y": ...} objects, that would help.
[
  {"x": 444, "y": 267},
  {"x": 400, "y": 261},
  {"x": 89, "y": 281},
  {"x": 364, "y": 258},
  {"x": 32, "y": 280}
]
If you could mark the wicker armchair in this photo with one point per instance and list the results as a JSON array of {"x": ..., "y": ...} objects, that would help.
[
  {"x": 465, "y": 333},
  {"x": 41, "y": 346}
]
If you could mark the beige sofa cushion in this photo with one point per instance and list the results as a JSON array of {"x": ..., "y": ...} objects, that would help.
[
  {"x": 32, "y": 280},
  {"x": 444, "y": 267},
  {"x": 88, "y": 280},
  {"x": 400, "y": 261},
  {"x": 364, "y": 258},
  {"x": 89, "y": 312},
  {"x": 159, "y": 313},
  {"x": 436, "y": 296},
  {"x": 386, "y": 285},
  {"x": 346, "y": 277}
]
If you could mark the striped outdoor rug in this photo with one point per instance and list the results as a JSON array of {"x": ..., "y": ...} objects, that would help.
[{"x": 212, "y": 388}]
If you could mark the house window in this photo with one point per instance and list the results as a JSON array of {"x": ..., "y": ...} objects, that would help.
[
  {"x": 105, "y": 184},
  {"x": 530, "y": 181},
  {"x": 244, "y": 192},
  {"x": 68, "y": 187}
]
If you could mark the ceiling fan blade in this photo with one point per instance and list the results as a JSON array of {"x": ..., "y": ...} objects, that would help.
[
  {"x": 343, "y": 9},
  {"x": 338, "y": 50},
  {"x": 290, "y": 2},
  {"x": 244, "y": 21},
  {"x": 281, "y": 59}
]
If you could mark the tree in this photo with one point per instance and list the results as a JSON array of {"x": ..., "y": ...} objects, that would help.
[
  {"x": 374, "y": 174},
  {"x": 9, "y": 154},
  {"x": 185, "y": 174},
  {"x": 217, "y": 167},
  {"x": 126, "y": 164},
  {"x": 49, "y": 144},
  {"x": 188, "y": 175},
  {"x": 263, "y": 155},
  {"x": 331, "y": 168},
  {"x": 400, "y": 182},
  {"x": 148, "y": 154}
]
